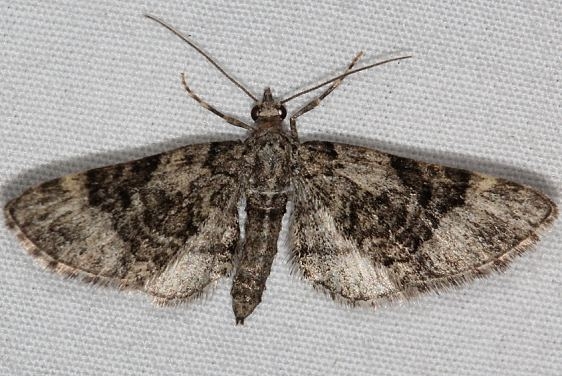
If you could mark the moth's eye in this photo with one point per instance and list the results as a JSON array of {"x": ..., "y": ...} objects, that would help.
[
  {"x": 254, "y": 113},
  {"x": 282, "y": 112}
]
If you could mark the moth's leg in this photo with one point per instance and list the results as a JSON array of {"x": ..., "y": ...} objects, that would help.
[
  {"x": 316, "y": 101},
  {"x": 204, "y": 104}
]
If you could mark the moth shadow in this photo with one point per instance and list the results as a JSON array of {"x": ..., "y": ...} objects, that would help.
[
  {"x": 58, "y": 168},
  {"x": 468, "y": 162}
]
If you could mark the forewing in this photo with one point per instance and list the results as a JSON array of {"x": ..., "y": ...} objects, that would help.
[
  {"x": 369, "y": 226},
  {"x": 166, "y": 223}
]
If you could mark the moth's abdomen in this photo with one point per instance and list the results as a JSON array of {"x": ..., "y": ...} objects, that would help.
[{"x": 262, "y": 229}]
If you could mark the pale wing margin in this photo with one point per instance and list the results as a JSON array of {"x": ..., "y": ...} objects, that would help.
[
  {"x": 372, "y": 227},
  {"x": 166, "y": 223}
]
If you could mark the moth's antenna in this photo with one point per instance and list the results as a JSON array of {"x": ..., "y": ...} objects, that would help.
[
  {"x": 345, "y": 75},
  {"x": 186, "y": 40}
]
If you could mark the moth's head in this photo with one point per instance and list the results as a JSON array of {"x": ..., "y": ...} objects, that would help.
[{"x": 268, "y": 108}]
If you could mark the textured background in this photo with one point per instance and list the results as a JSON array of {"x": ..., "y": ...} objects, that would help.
[{"x": 85, "y": 85}]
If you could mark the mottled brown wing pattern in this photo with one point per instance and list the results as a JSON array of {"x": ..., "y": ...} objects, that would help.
[
  {"x": 166, "y": 224},
  {"x": 369, "y": 226}
]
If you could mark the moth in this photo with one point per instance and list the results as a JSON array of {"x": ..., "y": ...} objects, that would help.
[{"x": 367, "y": 226}]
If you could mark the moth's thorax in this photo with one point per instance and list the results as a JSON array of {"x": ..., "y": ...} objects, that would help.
[
  {"x": 268, "y": 158},
  {"x": 272, "y": 124}
]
